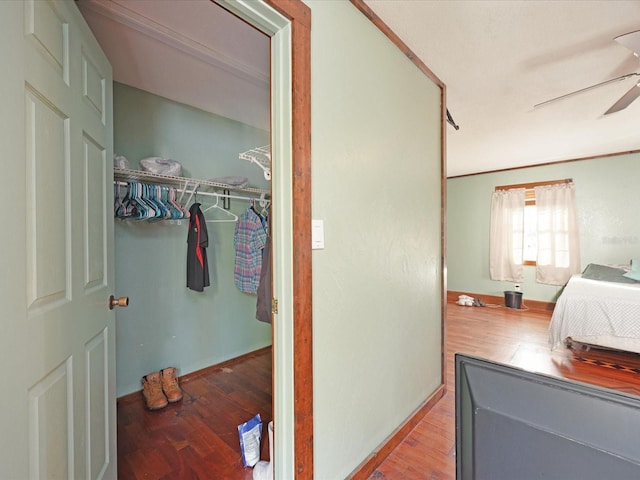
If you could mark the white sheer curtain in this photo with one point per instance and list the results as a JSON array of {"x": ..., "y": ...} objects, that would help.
[
  {"x": 507, "y": 227},
  {"x": 558, "y": 241}
]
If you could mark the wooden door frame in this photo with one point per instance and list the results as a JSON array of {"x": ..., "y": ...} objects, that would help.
[
  {"x": 299, "y": 306},
  {"x": 300, "y": 17}
]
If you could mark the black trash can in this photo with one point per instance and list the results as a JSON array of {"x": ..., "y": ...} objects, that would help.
[{"x": 512, "y": 299}]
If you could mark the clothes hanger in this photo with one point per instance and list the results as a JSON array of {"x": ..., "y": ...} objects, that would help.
[
  {"x": 154, "y": 210},
  {"x": 139, "y": 210},
  {"x": 264, "y": 204},
  {"x": 183, "y": 212},
  {"x": 119, "y": 206},
  {"x": 231, "y": 217},
  {"x": 157, "y": 194},
  {"x": 193, "y": 192},
  {"x": 183, "y": 206},
  {"x": 165, "y": 195},
  {"x": 151, "y": 208},
  {"x": 252, "y": 206}
]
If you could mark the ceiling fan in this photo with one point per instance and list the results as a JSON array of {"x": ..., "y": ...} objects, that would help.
[{"x": 632, "y": 42}]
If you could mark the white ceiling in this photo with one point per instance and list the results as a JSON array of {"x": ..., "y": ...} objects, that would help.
[
  {"x": 500, "y": 58},
  {"x": 191, "y": 51},
  {"x": 497, "y": 58}
]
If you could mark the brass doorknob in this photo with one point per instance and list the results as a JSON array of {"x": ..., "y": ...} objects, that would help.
[{"x": 118, "y": 302}]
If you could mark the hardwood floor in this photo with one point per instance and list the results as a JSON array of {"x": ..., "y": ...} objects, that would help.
[
  {"x": 508, "y": 336},
  {"x": 197, "y": 438}
]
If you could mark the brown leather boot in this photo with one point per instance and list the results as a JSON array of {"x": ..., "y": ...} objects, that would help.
[
  {"x": 170, "y": 384},
  {"x": 152, "y": 391}
]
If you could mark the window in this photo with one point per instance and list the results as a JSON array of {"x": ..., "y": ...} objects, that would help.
[
  {"x": 530, "y": 232},
  {"x": 534, "y": 224}
]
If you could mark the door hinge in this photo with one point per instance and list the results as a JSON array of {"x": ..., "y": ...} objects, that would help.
[{"x": 274, "y": 306}]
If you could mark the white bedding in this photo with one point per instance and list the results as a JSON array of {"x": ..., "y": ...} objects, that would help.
[{"x": 597, "y": 313}]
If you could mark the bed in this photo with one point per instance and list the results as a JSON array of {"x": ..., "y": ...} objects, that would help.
[{"x": 600, "y": 307}]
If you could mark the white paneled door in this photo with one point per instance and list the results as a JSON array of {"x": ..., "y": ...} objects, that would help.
[{"x": 57, "y": 341}]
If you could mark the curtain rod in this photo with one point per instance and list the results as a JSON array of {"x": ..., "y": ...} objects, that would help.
[{"x": 533, "y": 184}]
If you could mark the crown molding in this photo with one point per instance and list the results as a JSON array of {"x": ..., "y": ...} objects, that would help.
[{"x": 128, "y": 18}]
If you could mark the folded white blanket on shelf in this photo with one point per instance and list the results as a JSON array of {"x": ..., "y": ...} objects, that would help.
[
  {"x": 232, "y": 181},
  {"x": 161, "y": 166}
]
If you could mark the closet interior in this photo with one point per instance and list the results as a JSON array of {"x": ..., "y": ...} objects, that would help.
[{"x": 178, "y": 96}]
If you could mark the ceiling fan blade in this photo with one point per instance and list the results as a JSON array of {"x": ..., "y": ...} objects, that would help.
[
  {"x": 630, "y": 40},
  {"x": 601, "y": 84},
  {"x": 625, "y": 100}
]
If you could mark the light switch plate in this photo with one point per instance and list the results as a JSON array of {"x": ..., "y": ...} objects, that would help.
[{"x": 317, "y": 234}]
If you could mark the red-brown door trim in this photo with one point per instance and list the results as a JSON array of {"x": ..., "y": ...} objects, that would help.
[{"x": 300, "y": 16}]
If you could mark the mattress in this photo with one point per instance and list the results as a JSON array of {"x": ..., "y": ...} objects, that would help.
[{"x": 596, "y": 312}]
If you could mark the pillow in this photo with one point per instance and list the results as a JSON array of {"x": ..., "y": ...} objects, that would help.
[
  {"x": 634, "y": 273},
  {"x": 605, "y": 273}
]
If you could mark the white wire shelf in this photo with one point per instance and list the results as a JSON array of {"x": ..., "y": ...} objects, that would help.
[
  {"x": 261, "y": 156},
  {"x": 182, "y": 183}
]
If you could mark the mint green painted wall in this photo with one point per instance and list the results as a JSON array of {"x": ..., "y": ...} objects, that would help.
[
  {"x": 376, "y": 284},
  {"x": 167, "y": 324},
  {"x": 608, "y": 199}
]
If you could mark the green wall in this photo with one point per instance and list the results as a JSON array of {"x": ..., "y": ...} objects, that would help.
[
  {"x": 376, "y": 284},
  {"x": 167, "y": 324},
  {"x": 607, "y": 196}
]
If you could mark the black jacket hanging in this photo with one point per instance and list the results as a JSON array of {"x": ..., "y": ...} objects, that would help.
[{"x": 197, "y": 243}]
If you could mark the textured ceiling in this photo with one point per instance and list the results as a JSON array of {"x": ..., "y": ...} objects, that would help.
[
  {"x": 191, "y": 51},
  {"x": 497, "y": 58},
  {"x": 500, "y": 58}
]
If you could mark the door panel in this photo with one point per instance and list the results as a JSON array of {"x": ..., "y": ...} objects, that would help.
[
  {"x": 95, "y": 241},
  {"x": 47, "y": 28},
  {"x": 50, "y": 425},
  {"x": 47, "y": 154},
  {"x": 94, "y": 88},
  {"x": 59, "y": 354},
  {"x": 97, "y": 405}
]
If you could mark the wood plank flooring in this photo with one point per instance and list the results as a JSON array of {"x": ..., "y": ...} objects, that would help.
[
  {"x": 197, "y": 438},
  {"x": 508, "y": 336}
]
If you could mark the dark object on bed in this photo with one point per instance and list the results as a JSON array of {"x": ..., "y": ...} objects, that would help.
[
  {"x": 514, "y": 424},
  {"x": 606, "y": 274}
]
